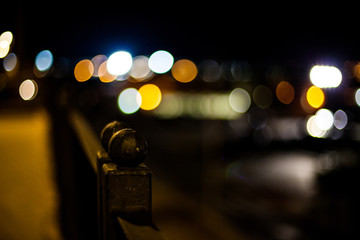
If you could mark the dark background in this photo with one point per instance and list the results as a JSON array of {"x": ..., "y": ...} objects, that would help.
[
  {"x": 193, "y": 156},
  {"x": 221, "y": 30}
]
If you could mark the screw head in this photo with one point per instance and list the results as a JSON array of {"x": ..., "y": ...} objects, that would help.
[
  {"x": 109, "y": 130},
  {"x": 127, "y": 147}
]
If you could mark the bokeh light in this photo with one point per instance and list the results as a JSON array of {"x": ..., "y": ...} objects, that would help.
[
  {"x": 324, "y": 119},
  {"x": 239, "y": 100},
  {"x": 262, "y": 96},
  {"x": 6, "y": 39},
  {"x": 241, "y": 71},
  {"x": 140, "y": 70},
  {"x": 285, "y": 92},
  {"x": 340, "y": 119},
  {"x": 213, "y": 105},
  {"x": 129, "y": 101},
  {"x": 10, "y": 62},
  {"x": 119, "y": 63},
  {"x": 4, "y": 49},
  {"x": 104, "y": 75},
  {"x": 184, "y": 70},
  {"x": 161, "y": 61},
  {"x": 44, "y": 60},
  {"x": 315, "y": 97},
  {"x": 150, "y": 96},
  {"x": 225, "y": 69},
  {"x": 97, "y": 61},
  {"x": 209, "y": 70},
  {"x": 171, "y": 106},
  {"x": 28, "y": 90},
  {"x": 357, "y": 97},
  {"x": 83, "y": 70},
  {"x": 355, "y": 71},
  {"x": 217, "y": 106},
  {"x": 325, "y": 76},
  {"x": 313, "y": 128},
  {"x": 320, "y": 124}
]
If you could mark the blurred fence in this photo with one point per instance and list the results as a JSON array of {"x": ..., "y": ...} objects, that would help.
[{"x": 102, "y": 196}]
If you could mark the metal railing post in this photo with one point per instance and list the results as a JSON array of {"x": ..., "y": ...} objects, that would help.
[
  {"x": 124, "y": 185},
  {"x": 123, "y": 181}
]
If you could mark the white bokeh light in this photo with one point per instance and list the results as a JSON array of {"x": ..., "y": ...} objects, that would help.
[
  {"x": 28, "y": 90},
  {"x": 129, "y": 101},
  {"x": 239, "y": 100},
  {"x": 357, "y": 97},
  {"x": 324, "y": 119},
  {"x": 313, "y": 128},
  {"x": 119, "y": 63},
  {"x": 161, "y": 61},
  {"x": 325, "y": 76}
]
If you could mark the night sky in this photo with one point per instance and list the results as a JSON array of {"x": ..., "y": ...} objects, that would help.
[{"x": 209, "y": 30}]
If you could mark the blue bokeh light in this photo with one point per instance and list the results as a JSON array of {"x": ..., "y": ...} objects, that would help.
[{"x": 44, "y": 60}]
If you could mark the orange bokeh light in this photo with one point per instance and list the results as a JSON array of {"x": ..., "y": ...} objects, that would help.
[
  {"x": 184, "y": 71},
  {"x": 104, "y": 75},
  {"x": 83, "y": 70},
  {"x": 285, "y": 92}
]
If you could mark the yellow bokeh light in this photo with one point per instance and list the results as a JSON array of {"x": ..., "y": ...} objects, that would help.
[
  {"x": 184, "y": 70},
  {"x": 4, "y": 50},
  {"x": 5, "y": 41},
  {"x": 84, "y": 70},
  {"x": 285, "y": 92},
  {"x": 6, "y": 37},
  {"x": 151, "y": 96},
  {"x": 315, "y": 97}
]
